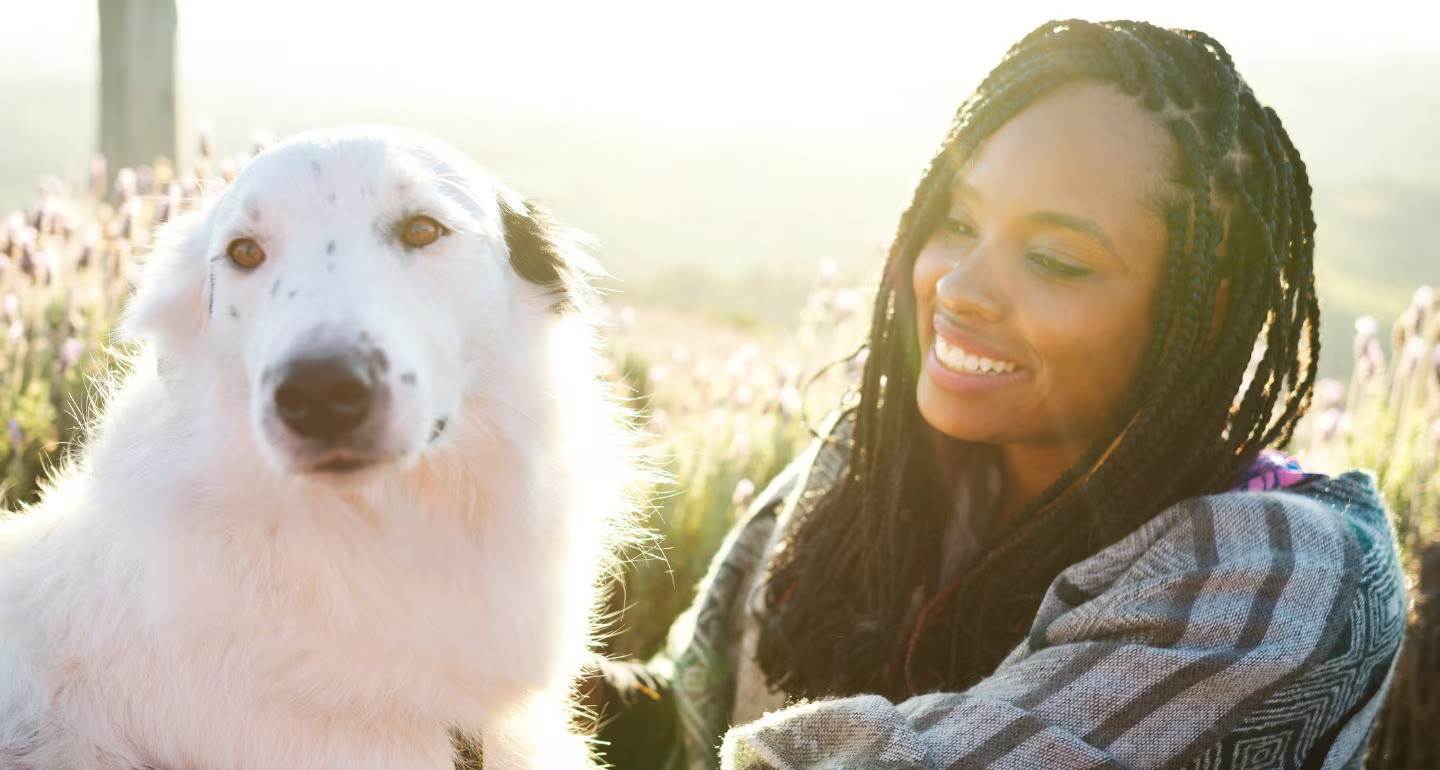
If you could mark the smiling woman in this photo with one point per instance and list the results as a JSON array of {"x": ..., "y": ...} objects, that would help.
[
  {"x": 1036, "y": 314},
  {"x": 1055, "y": 531}
]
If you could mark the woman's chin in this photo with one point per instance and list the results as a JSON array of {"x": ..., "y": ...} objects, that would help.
[{"x": 965, "y": 420}]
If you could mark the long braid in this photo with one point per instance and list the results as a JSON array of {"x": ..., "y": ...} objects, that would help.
[{"x": 1237, "y": 212}]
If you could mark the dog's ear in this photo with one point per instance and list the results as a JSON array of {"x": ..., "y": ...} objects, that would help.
[
  {"x": 175, "y": 287},
  {"x": 547, "y": 254}
]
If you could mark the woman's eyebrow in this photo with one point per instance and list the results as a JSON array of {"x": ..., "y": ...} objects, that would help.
[{"x": 1078, "y": 224}]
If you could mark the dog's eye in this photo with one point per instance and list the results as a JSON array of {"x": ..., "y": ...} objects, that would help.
[
  {"x": 421, "y": 231},
  {"x": 245, "y": 252}
]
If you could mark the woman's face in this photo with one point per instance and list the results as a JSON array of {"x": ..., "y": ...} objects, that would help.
[{"x": 1036, "y": 293}]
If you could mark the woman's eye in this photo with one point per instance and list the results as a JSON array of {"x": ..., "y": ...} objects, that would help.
[
  {"x": 421, "y": 231},
  {"x": 245, "y": 253},
  {"x": 1056, "y": 267},
  {"x": 961, "y": 227}
]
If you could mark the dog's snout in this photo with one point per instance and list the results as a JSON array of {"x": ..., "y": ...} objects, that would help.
[{"x": 325, "y": 398}]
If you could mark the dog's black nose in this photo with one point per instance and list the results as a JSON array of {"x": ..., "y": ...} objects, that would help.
[{"x": 325, "y": 398}]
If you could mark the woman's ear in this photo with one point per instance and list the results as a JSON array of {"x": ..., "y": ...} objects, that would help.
[
  {"x": 175, "y": 289},
  {"x": 547, "y": 254}
]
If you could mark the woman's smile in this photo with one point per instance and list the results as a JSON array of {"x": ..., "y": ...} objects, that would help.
[{"x": 962, "y": 364}]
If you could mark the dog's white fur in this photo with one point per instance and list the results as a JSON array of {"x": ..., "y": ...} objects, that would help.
[{"x": 192, "y": 593}]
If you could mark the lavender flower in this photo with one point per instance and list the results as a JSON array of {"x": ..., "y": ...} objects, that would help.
[
  {"x": 1330, "y": 424},
  {"x": 17, "y": 436},
  {"x": 124, "y": 185},
  {"x": 1369, "y": 358},
  {"x": 743, "y": 494},
  {"x": 70, "y": 351},
  {"x": 145, "y": 180},
  {"x": 206, "y": 136},
  {"x": 99, "y": 176},
  {"x": 1412, "y": 355},
  {"x": 1329, "y": 394},
  {"x": 829, "y": 269}
]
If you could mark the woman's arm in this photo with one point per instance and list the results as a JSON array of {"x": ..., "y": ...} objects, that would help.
[
  {"x": 644, "y": 720},
  {"x": 1254, "y": 630},
  {"x": 636, "y": 712}
]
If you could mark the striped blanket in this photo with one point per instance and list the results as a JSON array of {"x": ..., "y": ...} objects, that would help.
[{"x": 1252, "y": 629}]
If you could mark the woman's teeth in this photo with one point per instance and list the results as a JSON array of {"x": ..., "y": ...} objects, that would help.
[{"x": 957, "y": 359}]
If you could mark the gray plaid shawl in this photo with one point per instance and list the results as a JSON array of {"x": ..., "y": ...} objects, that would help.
[{"x": 1241, "y": 630}]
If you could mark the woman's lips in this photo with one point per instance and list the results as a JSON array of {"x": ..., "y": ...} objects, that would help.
[{"x": 963, "y": 353}]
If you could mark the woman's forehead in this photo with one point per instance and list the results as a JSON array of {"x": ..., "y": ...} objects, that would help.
[{"x": 1086, "y": 145}]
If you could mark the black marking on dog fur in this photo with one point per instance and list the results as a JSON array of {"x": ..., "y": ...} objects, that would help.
[
  {"x": 364, "y": 336},
  {"x": 438, "y": 429},
  {"x": 210, "y": 307},
  {"x": 234, "y": 313},
  {"x": 330, "y": 248},
  {"x": 537, "y": 254},
  {"x": 254, "y": 215},
  {"x": 408, "y": 378},
  {"x": 292, "y": 293},
  {"x": 275, "y": 287},
  {"x": 379, "y": 362}
]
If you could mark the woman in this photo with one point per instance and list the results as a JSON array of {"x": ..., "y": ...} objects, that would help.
[{"x": 1052, "y": 533}]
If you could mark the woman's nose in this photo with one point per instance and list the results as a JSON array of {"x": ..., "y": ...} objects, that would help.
[{"x": 969, "y": 288}]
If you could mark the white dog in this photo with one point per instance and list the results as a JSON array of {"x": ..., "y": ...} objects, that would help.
[{"x": 356, "y": 495}]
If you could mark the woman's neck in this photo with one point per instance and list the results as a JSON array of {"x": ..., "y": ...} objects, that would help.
[{"x": 1026, "y": 470}]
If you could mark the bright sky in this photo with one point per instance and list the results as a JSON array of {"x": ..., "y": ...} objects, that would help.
[{"x": 718, "y": 64}]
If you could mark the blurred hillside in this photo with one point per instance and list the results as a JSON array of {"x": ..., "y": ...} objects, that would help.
[{"x": 732, "y": 223}]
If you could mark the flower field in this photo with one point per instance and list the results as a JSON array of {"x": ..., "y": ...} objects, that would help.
[{"x": 723, "y": 409}]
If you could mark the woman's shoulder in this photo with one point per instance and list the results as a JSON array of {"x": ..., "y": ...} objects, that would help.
[
  {"x": 1333, "y": 518},
  {"x": 1339, "y": 521},
  {"x": 1299, "y": 557}
]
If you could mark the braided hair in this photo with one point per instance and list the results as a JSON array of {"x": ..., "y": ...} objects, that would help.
[{"x": 1237, "y": 211}]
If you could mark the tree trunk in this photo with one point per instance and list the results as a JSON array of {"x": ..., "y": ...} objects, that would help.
[{"x": 137, "y": 81}]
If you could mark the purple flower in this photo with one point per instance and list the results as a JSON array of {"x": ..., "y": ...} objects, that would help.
[
  {"x": 744, "y": 493},
  {"x": 1328, "y": 424},
  {"x": 1366, "y": 329},
  {"x": 170, "y": 204},
  {"x": 70, "y": 352},
  {"x": 27, "y": 259},
  {"x": 1411, "y": 356},
  {"x": 1329, "y": 394},
  {"x": 124, "y": 185},
  {"x": 17, "y": 437},
  {"x": 99, "y": 176},
  {"x": 206, "y": 136},
  {"x": 145, "y": 180}
]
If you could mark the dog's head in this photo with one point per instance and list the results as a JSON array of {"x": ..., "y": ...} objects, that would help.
[{"x": 354, "y": 288}]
